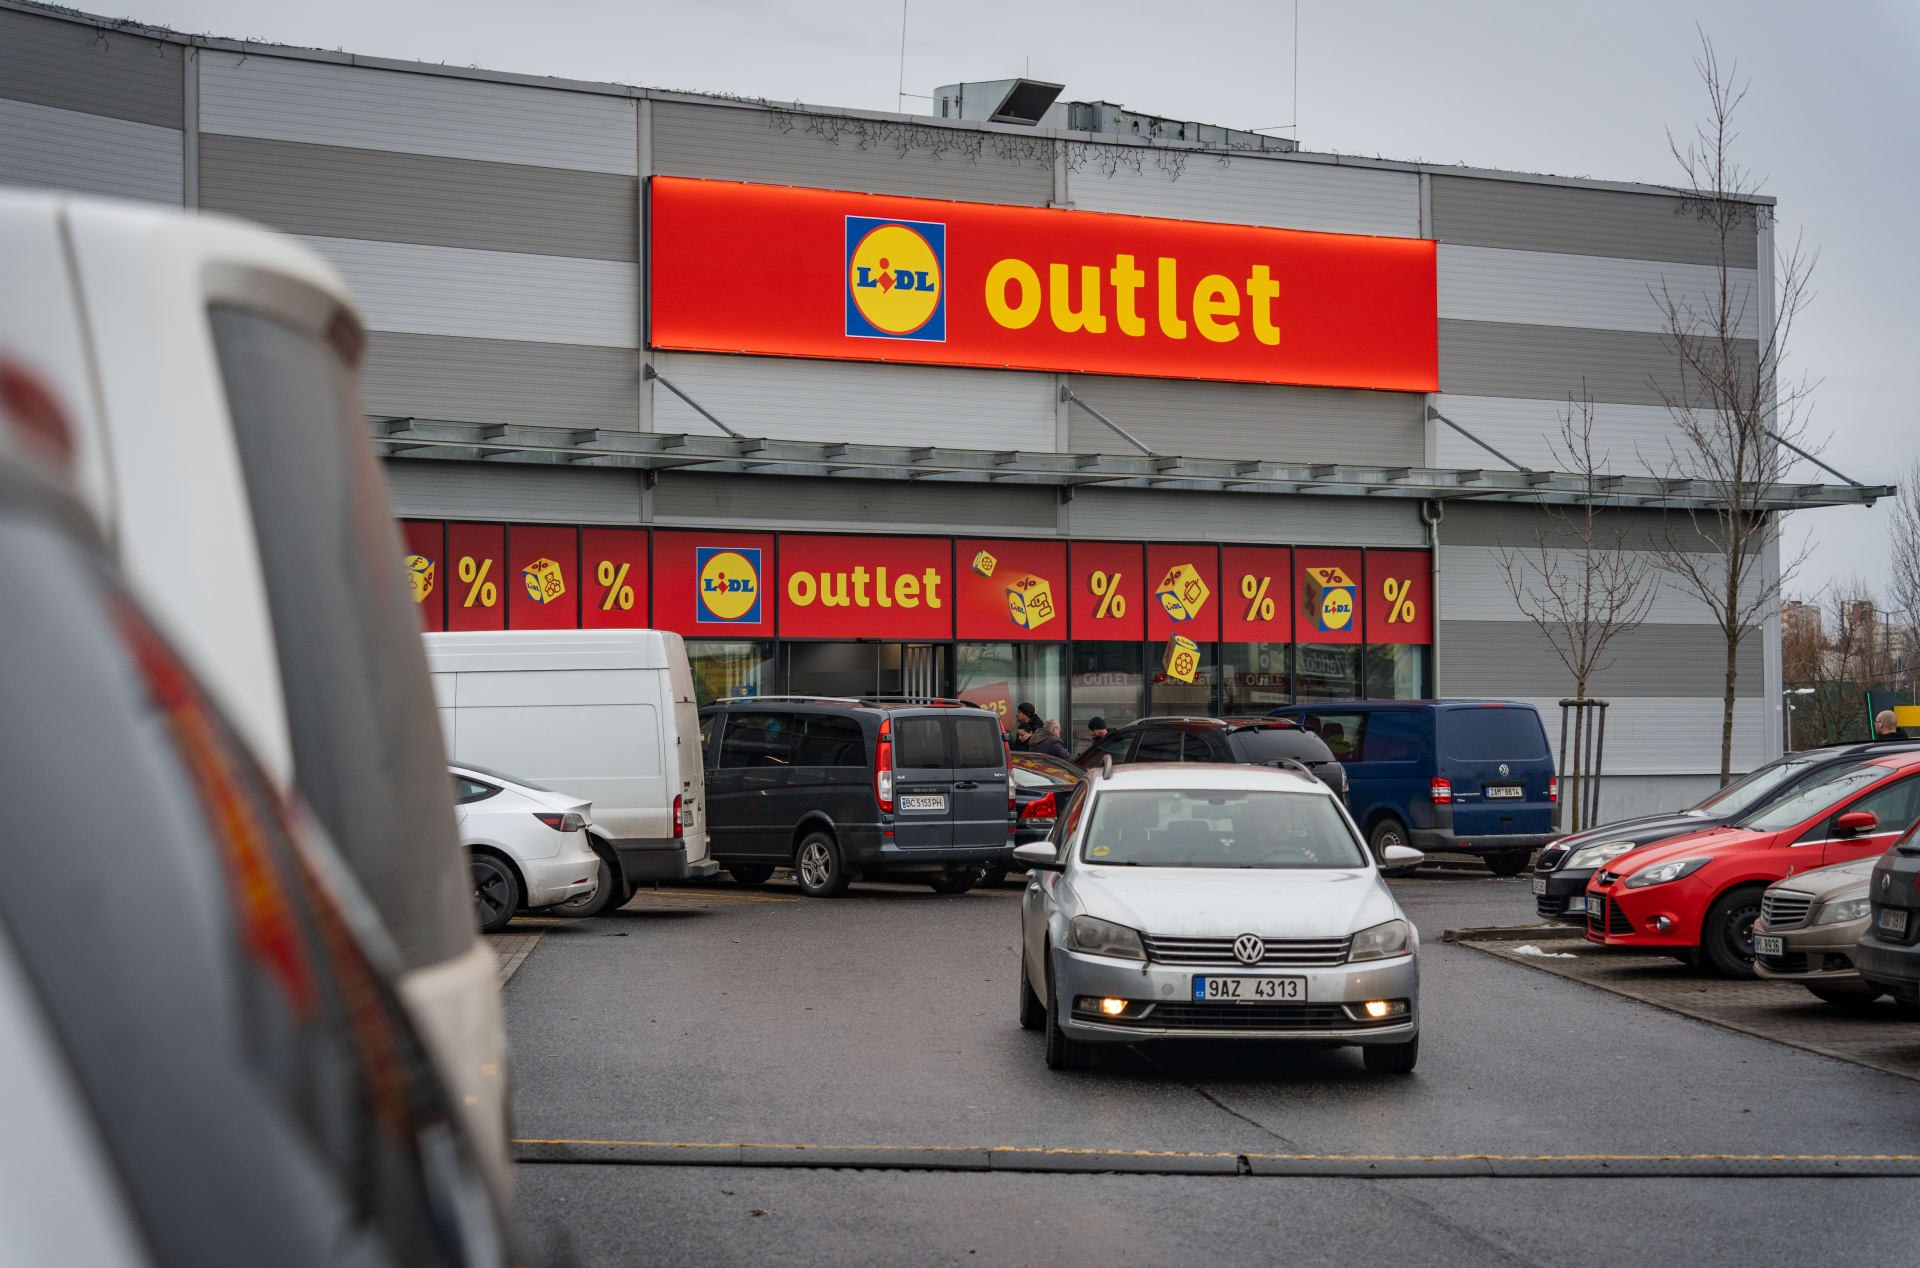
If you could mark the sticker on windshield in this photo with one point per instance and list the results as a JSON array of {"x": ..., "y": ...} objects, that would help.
[{"x": 1100, "y": 851}]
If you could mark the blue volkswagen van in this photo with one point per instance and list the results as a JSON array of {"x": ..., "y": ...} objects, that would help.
[{"x": 1464, "y": 776}]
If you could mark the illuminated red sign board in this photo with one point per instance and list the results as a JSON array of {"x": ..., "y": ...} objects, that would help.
[
  {"x": 866, "y": 587},
  {"x": 1011, "y": 590},
  {"x": 866, "y": 277},
  {"x": 1399, "y": 598}
]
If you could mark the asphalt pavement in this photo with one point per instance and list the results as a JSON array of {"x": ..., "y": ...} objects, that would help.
[{"x": 887, "y": 1018}]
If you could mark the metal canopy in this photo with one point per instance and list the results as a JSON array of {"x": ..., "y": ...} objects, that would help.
[{"x": 656, "y": 451}]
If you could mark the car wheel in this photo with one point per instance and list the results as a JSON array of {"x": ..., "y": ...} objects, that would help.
[
  {"x": 1508, "y": 862},
  {"x": 1392, "y": 1058},
  {"x": 596, "y": 900},
  {"x": 958, "y": 882},
  {"x": 1033, "y": 1014},
  {"x": 496, "y": 894},
  {"x": 1727, "y": 933},
  {"x": 1062, "y": 1053},
  {"x": 750, "y": 874},
  {"x": 817, "y": 866},
  {"x": 1850, "y": 1000},
  {"x": 1385, "y": 833}
]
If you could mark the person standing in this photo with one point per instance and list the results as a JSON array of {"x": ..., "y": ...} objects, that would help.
[
  {"x": 1886, "y": 727},
  {"x": 1041, "y": 740},
  {"x": 1026, "y": 720},
  {"x": 1097, "y": 729}
]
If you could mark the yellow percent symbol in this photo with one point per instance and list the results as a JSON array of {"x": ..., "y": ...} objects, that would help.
[
  {"x": 1399, "y": 597},
  {"x": 618, "y": 591},
  {"x": 1112, "y": 602},
  {"x": 1254, "y": 590},
  {"x": 473, "y": 574}
]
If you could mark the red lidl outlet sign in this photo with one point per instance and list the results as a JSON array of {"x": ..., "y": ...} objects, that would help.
[{"x": 864, "y": 277}]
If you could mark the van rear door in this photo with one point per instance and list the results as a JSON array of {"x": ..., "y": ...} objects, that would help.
[
  {"x": 922, "y": 782},
  {"x": 686, "y": 761},
  {"x": 980, "y": 813},
  {"x": 1495, "y": 757}
]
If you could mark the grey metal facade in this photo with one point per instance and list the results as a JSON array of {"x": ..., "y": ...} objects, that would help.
[{"x": 492, "y": 227}]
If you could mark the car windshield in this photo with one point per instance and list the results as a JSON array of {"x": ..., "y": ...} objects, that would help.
[
  {"x": 1218, "y": 827},
  {"x": 1754, "y": 787},
  {"x": 1821, "y": 794}
]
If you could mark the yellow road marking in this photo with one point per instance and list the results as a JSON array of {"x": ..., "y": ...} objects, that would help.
[{"x": 1174, "y": 1153}]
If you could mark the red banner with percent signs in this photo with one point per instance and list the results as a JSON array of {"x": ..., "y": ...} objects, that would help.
[
  {"x": 1183, "y": 593},
  {"x": 815, "y": 273},
  {"x": 1257, "y": 589},
  {"x": 426, "y": 570},
  {"x": 1399, "y": 596},
  {"x": 543, "y": 567},
  {"x": 477, "y": 588},
  {"x": 1110, "y": 591},
  {"x": 613, "y": 578},
  {"x": 1010, "y": 590}
]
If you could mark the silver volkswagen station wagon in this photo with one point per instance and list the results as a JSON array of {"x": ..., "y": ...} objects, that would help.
[{"x": 1186, "y": 901}]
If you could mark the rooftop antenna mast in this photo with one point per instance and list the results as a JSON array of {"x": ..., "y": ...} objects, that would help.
[{"x": 900, "y": 97}]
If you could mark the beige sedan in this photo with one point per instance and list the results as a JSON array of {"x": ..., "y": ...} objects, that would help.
[{"x": 1807, "y": 929}]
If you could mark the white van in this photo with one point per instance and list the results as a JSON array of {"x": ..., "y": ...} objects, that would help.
[
  {"x": 605, "y": 715},
  {"x": 196, "y": 379}
]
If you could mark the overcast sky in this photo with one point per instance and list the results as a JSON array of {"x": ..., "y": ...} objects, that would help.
[{"x": 1587, "y": 91}]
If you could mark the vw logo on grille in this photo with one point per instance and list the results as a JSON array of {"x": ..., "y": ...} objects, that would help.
[
  {"x": 1248, "y": 949},
  {"x": 1503, "y": 768}
]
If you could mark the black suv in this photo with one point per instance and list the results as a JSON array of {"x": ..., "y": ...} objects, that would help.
[
  {"x": 1887, "y": 954},
  {"x": 1241, "y": 741},
  {"x": 1561, "y": 873},
  {"x": 838, "y": 788}
]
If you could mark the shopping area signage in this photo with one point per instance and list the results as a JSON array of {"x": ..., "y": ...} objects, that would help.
[
  {"x": 779, "y": 271},
  {"x": 727, "y": 585}
]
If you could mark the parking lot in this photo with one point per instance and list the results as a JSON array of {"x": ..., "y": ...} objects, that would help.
[{"x": 670, "y": 1058}]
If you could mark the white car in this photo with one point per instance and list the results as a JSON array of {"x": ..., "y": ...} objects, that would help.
[
  {"x": 1186, "y": 901},
  {"x": 527, "y": 845}
]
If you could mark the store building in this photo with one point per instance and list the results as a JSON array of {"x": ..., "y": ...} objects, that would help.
[{"x": 864, "y": 402}]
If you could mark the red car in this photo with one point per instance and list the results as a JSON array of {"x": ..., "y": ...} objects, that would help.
[{"x": 1696, "y": 897}]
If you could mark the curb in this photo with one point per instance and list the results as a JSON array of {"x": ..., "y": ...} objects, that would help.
[{"x": 1514, "y": 933}]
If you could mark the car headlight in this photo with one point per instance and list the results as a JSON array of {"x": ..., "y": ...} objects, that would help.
[
  {"x": 1852, "y": 905},
  {"x": 1103, "y": 937},
  {"x": 1594, "y": 856},
  {"x": 1381, "y": 941},
  {"x": 1671, "y": 870}
]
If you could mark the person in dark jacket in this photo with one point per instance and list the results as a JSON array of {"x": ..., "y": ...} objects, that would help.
[
  {"x": 1026, "y": 720},
  {"x": 1886, "y": 727},
  {"x": 1041, "y": 740}
]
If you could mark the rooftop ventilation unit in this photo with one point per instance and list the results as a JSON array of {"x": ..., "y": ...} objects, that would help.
[{"x": 997, "y": 100}]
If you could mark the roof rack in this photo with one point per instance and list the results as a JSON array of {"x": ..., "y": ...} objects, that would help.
[
  {"x": 946, "y": 702},
  {"x": 1175, "y": 717},
  {"x": 804, "y": 699},
  {"x": 867, "y": 701}
]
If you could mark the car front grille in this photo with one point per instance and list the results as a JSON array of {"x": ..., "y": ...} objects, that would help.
[
  {"x": 1608, "y": 878},
  {"x": 1249, "y": 1017},
  {"x": 1784, "y": 909},
  {"x": 1298, "y": 953},
  {"x": 1604, "y": 916},
  {"x": 1550, "y": 907}
]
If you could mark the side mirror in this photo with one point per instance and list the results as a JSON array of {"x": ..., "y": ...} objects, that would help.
[
  {"x": 1037, "y": 856},
  {"x": 1855, "y": 822},
  {"x": 1403, "y": 856}
]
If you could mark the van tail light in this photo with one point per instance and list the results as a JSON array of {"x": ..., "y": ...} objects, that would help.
[
  {"x": 574, "y": 822},
  {"x": 1553, "y": 788},
  {"x": 883, "y": 767},
  {"x": 1042, "y": 808},
  {"x": 1442, "y": 792},
  {"x": 679, "y": 824}
]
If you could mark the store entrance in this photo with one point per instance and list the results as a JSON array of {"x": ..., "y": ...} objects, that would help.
[{"x": 865, "y": 669}]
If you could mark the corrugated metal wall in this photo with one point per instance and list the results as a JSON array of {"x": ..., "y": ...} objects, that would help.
[
  {"x": 856, "y": 505},
  {"x": 84, "y": 112},
  {"x": 1244, "y": 420},
  {"x": 1173, "y": 515},
  {"x": 1284, "y": 193},
  {"x": 517, "y": 492}
]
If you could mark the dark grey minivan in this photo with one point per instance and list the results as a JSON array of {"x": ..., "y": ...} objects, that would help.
[{"x": 839, "y": 789}]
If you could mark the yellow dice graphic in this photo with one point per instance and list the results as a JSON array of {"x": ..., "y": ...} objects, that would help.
[
  {"x": 420, "y": 577},
  {"x": 544, "y": 580},
  {"x": 1182, "y": 593},
  {"x": 1183, "y": 658},
  {"x": 1327, "y": 599},
  {"x": 1030, "y": 602},
  {"x": 983, "y": 563}
]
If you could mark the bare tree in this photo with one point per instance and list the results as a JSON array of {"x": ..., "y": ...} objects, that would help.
[
  {"x": 1580, "y": 584},
  {"x": 1738, "y": 424},
  {"x": 1840, "y": 652},
  {"x": 1904, "y": 585}
]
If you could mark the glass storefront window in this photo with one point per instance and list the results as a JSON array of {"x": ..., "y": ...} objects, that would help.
[
  {"x": 1195, "y": 698},
  {"x": 1396, "y": 671},
  {"x": 721, "y": 670},
  {"x": 1328, "y": 671},
  {"x": 1255, "y": 677},
  {"x": 1108, "y": 682},
  {"x": 1003, "y": 676}
]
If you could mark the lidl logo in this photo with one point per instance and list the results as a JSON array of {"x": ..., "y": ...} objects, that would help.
[
  {"x": 1329, "y": 595},
  {"x": 896, "y": 279},
  {"x": 729, "y": 585}
]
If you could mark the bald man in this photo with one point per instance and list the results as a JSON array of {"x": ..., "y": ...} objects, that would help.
[{"x": 1887, "y": 727}]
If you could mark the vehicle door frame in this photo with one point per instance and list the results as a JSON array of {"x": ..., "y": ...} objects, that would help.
[
  {"x": 985, "y": 801},
  {"x": 922, "y": 829}
]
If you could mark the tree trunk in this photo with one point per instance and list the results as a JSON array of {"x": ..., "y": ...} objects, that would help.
[{"x": 1726, "y": 710}]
